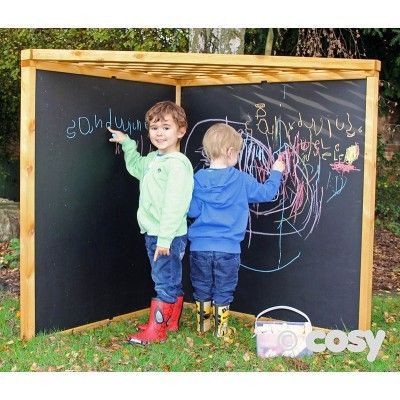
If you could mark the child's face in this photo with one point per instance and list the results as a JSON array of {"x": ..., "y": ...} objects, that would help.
[{"x": 165, "y": 134}]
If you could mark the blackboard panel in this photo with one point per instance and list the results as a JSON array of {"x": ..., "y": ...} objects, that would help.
[
  {"x": 90, "y": 260},
  {"x": 303, "y": 250}
]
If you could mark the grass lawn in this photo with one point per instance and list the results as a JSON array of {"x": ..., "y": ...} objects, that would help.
[{"x": 104, "y": 349}]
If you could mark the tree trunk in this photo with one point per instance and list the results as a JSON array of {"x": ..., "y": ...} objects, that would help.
[
  {"x": 270, "y": 41},
  {"x": 216, "y": 40}
]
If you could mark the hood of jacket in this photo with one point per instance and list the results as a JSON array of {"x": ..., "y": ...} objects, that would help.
[{"x": 215, "y": 185}]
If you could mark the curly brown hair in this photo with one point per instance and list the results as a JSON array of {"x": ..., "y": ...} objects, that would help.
[{"x": 162, "y": 108}]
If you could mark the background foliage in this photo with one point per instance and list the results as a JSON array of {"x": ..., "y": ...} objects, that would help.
[
  {"x": 388, "y": 190},
  {"x": 10, "y": 258}
]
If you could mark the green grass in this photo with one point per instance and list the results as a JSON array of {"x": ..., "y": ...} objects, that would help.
[{"x": 104, "y": 349}]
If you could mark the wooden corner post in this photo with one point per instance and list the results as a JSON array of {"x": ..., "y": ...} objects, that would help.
[
  {"x": 368, "y": 212},
  {"x": 27, "y": 202}
]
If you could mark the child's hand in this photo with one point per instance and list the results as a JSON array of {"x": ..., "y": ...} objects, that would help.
[
  {"x": 160, "y": 251},
  {"x": 117, "y": 136},
  {"x": 279, "y": 164}
]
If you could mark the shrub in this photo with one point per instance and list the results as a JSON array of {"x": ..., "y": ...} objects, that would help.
[
  {"x": 388, "y": 190},
  {"x": 10, "y": 258}
]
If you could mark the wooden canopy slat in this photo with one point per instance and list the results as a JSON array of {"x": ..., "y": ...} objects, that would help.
[
  {"x": 239, "y": 79},
  {"x": 222, "y": 60},
  {"x": 192, "y": 69},
  {"x": 98, "y": 71},
  {"x": 191, "y": 75},
  {"x": 184, "y": 68}
]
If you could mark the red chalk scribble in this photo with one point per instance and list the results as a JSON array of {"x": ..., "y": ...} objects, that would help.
[
  {"x": 339, "y": 166},
  {"x": 261, "y": 171},
  {"x": 300, "y": 193},
  {"x": 298, "y": 200},
  {"x": 117, "y": 149}
]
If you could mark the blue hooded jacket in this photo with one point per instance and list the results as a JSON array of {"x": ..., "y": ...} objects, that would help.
[{"x": 220, "y": 206}]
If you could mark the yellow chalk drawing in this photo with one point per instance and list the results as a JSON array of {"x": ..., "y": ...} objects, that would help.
[{"x": 352, "y": 153}]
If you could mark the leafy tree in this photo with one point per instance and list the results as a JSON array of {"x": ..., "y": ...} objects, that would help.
[{"x": 384, "y": 45}]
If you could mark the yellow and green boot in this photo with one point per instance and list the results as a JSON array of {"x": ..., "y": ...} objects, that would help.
[
  {"x": 221, "y": 317},
  {"x": 204, "y": 316}
]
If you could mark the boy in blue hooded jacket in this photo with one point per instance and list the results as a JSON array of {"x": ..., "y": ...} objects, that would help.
[{"x": 220, "y": 206}]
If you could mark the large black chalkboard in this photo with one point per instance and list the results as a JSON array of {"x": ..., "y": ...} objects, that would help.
[
  {"x": 90, "y": 261},
  {"x": 304, "y": 249}
]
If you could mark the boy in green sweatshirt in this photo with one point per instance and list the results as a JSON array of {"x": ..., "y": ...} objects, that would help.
[{"x": 166, "y": 185}]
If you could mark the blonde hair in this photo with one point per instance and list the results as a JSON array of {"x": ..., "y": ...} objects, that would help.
[
  {"x": 219, "y": 138},
  {"x": 162, "y": 108}
]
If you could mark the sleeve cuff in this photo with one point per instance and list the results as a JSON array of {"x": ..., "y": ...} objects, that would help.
[
  {"x": 275, "y": 174},
  {"x": 164, "y": 242}
]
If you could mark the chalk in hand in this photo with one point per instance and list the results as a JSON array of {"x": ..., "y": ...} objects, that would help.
[{"x": 114, "y": 135}]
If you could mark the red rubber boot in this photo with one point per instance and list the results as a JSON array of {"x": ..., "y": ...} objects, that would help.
[
  {"x": 173, "y": 322},
  {"x": 156, "y": 330}
]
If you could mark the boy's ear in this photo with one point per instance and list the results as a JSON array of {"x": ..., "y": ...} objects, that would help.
[
  {"x": 229, "y": 152},
  {"x": 181, "y": 132}
]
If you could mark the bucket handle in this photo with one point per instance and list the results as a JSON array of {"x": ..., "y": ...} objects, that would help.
[{"x": 284, "y": 308}]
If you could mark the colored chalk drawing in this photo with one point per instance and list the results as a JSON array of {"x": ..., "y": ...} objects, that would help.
[{"x": 309, "y": 146}]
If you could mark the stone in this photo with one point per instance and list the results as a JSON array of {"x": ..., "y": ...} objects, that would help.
[{"x": 9, "y": 220}]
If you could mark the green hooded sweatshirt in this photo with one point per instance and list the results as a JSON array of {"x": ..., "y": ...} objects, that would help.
[{"x": 166, "y": 186}]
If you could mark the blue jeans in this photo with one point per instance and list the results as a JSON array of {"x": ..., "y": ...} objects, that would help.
[
  {"x": 166, "y": 272},
  {"x": 214, "y": 275}
]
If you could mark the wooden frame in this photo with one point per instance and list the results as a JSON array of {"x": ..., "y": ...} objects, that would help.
[
  {"x": 27, "y": 202},
  {"x": 367, "y": 233},
  {"x": 180, "y": 70}
]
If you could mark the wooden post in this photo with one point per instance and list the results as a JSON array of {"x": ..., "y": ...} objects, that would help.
[
  {"x": 27, "y": 202},
  {"x": 368, "y": 215},
  {"x": 178, "y": 94}
]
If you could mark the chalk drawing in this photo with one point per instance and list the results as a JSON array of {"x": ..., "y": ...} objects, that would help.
[{"x": 297, "y": 208}]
